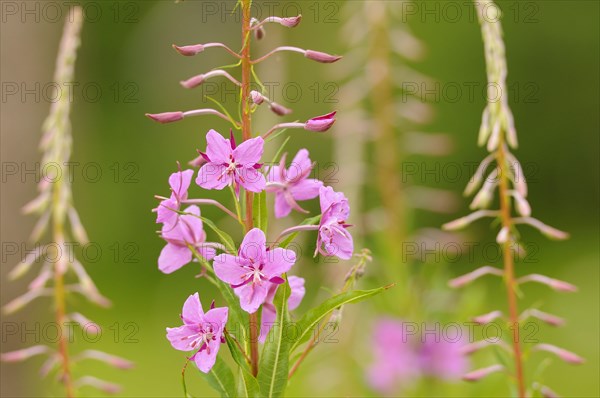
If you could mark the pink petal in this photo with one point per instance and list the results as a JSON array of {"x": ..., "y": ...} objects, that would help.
[
  {"x": 267, "y": 319},
  {"x": 218, "y": 148},
  {"x": 229, "y": 269},
  {"x": 192, "y": 310},
  {"x": 300, "y": 165},
  {"x": 274, "y": 175},
  {"x": 206, "y": 358},
  {"x": 251, "y": 296},
  {"x": 278, "y": 261},
  {"x": 180, "y": 182},
  {"x": 249, "y": 152},
  {"x": 282, "y": 207},
  {"x": 165, "y": 213},
  {"x": 173, "y": 257},
  {"x": 297, "y": 293},
  {"x": 306, "y": 189},
  {"x": 253, "y": 246},
  {"x": 179, "y": 337},
  {"x": 213, "y": 176},
  {"x": 251, "y": 179},
  {"x": 217, "y": 318},
  {"x": 342, "y": 246}
]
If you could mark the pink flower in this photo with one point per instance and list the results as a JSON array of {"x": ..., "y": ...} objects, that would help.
[
  {"x": 269, "y": 313},
  {"x": 228, "y": 164},
  {"x": 442, "y": 357},
  {"x": 292, "y": 184},
  {"x": 188, "y": 231},
  {"x": 179, "y": 183},
  {"x": 320, "y": 123},
  {"x": 254, "y": 271},
  {"x": 200, "y": 331},
  {"x": 333, "y": 238}
]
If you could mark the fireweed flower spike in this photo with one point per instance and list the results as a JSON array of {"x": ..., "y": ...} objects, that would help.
[
  {"x": 228, "y": 164},
  {"x": 268, "y": 310},
  {"x": 333, "y": 238},
  {"x": 292, "y": 184},
  {"x": 200, "y": 331},
  {"x": 166, "y": 210},
  {"x": 185, "y": 235},
  {"x": 498, "y": 135},
  {"x": 254, "y": 270},
  {"x": 56, "y": 234}
]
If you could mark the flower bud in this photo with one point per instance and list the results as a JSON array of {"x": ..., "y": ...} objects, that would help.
[
  {"x": 257, "y": 98},
  {"x": 321, "y": 56},
  {"x": 166, "y": 117},
  {"x": 483, "y": 372},
  {"x": 473, "y": 275},
  {"x": 503, "y": 235},
  {"x": 563, "y": 354},
  {"x": 487, "y": 318},
  {"x": 320, "y": 123},
  {"x": 21, "y": 355},
  {"x": 279, "y": 109},
  {"x": 189, "y": 51},
  {"x": 555, "y": 284},
  {"x": 193, "y": 82},
  {"x": 291, "y": 22}
]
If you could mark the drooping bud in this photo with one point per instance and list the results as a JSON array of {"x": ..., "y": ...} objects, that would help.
[
  {"x": 548, "y": 231},
  {"x": 259, "y": 31},
  {"x": 90, "y": 327},
  {"x": 485, "y": 195},
  {"x": 193, "y": 81},
  {"x": 257, "y": 98},
  {"x": 466, "y": 220},
  {"x": 563, "y": 354},
  {"x": 279, "y": 109},
  {"x": 473, "y": 275},
  {"x": 555, "y": 284},
  {"x": 104, "y": 386},
  {"x": 77, "y": 227},
  {"x": 488, "y": 318},
  {"x": 290, "y": 22},
  {"x": 550, "y": 319},
  {"x": 477, "y": 178},
  {"x": 494, "y": 138},
  {"x": 483, "y": 372},
  {"x": 25, "y": 353},
  {"x": 24, "y": 266},
  {"x": 321, "y": 56},
  {"x": 109, "y": 359},
  {"x": 320, "y": 123},
  {"x": 166, "y": 117},
  {"x": 189, "y": 51},
  {"x": 503, "y": 235},
  {"x": 521, "y": 204}
]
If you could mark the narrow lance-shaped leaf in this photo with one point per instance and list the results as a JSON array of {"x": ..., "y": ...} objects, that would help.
[
  {"x": 274, "y": 363},
  {"x": 259, "y": 211},
  {"x": 247, "y": 384},
  {"x": 221, "y": 379},
  {"x": 306, "y": 324},
  {"x": 225, "y": 238}
]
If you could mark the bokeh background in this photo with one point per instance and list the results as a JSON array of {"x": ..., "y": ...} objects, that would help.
[{"x": 553, "y": 60}]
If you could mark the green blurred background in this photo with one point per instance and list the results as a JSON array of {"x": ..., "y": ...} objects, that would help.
[{"x": 553, "y": 60}]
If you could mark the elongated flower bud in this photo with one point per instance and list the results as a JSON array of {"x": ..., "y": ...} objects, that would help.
[
  {"x": 321, "y": 56},
  {"x": 563, "y": 354},
  {"x": 555, "y": 284},
  {"x": 550, "y": 319},
  {"x": 189, "y": 51},
  {"x": 104, "y": 386},
  {"x": 466, "y": 220},
  {"x": 483, "y": 372},
  {"x": 166, "y": 117},
  {"x": 257, "y": 98},
  {"x": 109, "y": 359},
  {"x": 503, "y": 235},
  {"x": 548, "y": 231},
  {"x": 279, "y": 109},
  {"x": 488, "y": 318},
  {"x": 193, "y": 81},
  {"x": 320, "y": 123},
  {"x": 25, "y": 353},
  {"x": 471, "y": 276}
]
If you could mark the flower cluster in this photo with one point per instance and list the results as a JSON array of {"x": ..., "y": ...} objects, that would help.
[{"x": 256, "y": 270}]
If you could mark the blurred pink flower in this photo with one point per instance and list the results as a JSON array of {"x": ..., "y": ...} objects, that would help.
[
  {"x": 231, "y": 165},
  {"x": 256, "y": 268},
  {"x": 187, "y": 231},
  {"x": 401, "y": 356},
  {"x": 292, "y": 184},
  {"x": 200, "y": 331}
]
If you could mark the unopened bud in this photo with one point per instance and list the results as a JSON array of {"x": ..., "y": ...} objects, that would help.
[
  {"x": 26, "y": 353},
  {"x": 279, "y": 109},
  {"x": 320, "y": 123},
  {"x": 291, "y": 22},
  {"x": 483, "y": 372},
  {"x": 321, "y": 56},
  {"x": 563, "y": 354},
  {"x": 166, "y": 117},
  {"x": 188, "y": 51},
  {"x": 257, "y": 98},
  {"x": 487, "y": 318},
  {"x": 193, "y": 82}
]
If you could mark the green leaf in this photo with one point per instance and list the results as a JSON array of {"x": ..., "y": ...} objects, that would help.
[
  {"x": 247, "y": 384},
  {"x": 225, "y": 238},
  {"x": 221, "y": 379},
  {"x": 238, "y": 317},
  {"x": 309, "y": 221},
  {"x": 259, "y": 211},
  {"x": 307, "y": 323},
  {"x": 274, "y": 362}
]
